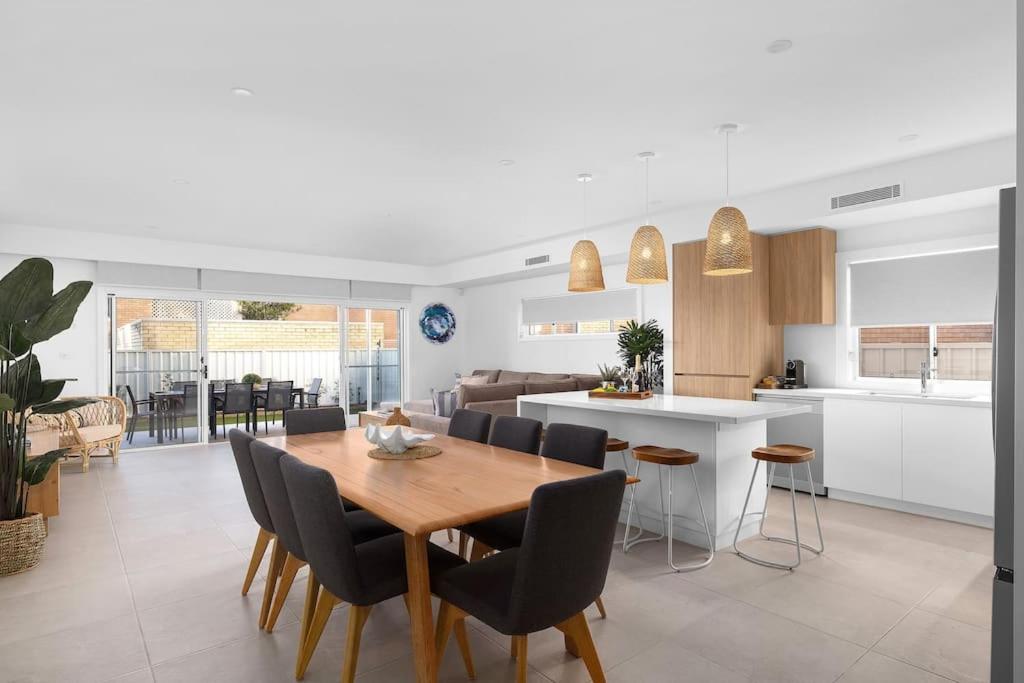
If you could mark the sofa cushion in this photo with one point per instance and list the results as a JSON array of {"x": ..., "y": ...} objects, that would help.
[
  {"x": 550, "y": 387},
  {"x": 472, "y": 380},
  {"x": 587, "y": 382},
  {"x": 508, "y": 377},
  {"x": 488, "y": 392},
  {"x": 429, "y": 423},
  {"x": 491, "y": 375},
  {"x": 545, "y": 376},
  {"x": 504, "y": 407}
]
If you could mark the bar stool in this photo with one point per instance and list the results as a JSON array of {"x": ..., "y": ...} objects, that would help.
[
  {"x": 781, "y": 454},
  {"x": 671, "y": 458}
]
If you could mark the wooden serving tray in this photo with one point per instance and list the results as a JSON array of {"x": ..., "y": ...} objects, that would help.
[{"x": 628, "y": 395}]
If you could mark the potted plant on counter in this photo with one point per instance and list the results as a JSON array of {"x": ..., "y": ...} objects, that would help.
[
  {"x": 30, "y": 313},
  {"x": 610, "y": 376},
  {"x": 647, "y": 341}
]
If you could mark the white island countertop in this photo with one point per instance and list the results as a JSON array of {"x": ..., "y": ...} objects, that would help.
[{"x": 673, "y": 407}]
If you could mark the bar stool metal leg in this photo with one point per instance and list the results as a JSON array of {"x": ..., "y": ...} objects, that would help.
[
  {"x": 627, "y": 544},
  {"x": 703, "y": 517},
  {"x": 626, "y": 540}
]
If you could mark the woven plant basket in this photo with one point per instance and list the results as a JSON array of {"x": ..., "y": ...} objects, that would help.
[{"x": 21, "y": 543}]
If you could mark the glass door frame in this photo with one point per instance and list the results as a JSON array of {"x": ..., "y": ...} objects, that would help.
[
  {"x": 202, "y": 399},
  {"x": 401, "y": 308}
]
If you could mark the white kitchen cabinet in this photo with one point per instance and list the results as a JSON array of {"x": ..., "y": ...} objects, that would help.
[
  {"x": 948, "y": 459},
  {"x": 863, "y": 443}
]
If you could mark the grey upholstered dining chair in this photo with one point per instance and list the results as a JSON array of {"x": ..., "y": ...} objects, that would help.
[
  {"x": 362, "y": 525},
  {"x": 517, "y": 434},
  {"x": 240, "y": 448},
  {"x": 314, "y": 420},
  {"x": 472, "y": 425},
  {"x": 576, "y": 444},
  {"x": 362, "y": 574},
  {"x": 549, "y": 580}
]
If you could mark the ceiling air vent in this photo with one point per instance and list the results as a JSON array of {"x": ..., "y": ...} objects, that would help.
[
  {"x": 537, "y": 260},
  {"x": 867, "y": 196}
]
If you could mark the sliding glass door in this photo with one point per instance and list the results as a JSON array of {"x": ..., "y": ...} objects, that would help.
[
  {"x": 156, "y": 362},
  {"x": 373, "y": 359}
]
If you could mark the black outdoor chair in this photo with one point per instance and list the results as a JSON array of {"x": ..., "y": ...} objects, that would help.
[
  {"x": 517, "y": 434},
  {"x": 185, "y": 407},
  {"x": 278, "y": 397},
  {"x": 240, "y": 448},
  {"x": 237, "y": 401},
  {"x": 315, "y": 420},
  {"x": 313, "y": 392},
  {"x": 361, "y": 524},
  {"x": 549, "y": 580},
  {"x": 362, "y": 574},
  {"x": 472, "y": 425},
  {"x": 136, "y": 406}
]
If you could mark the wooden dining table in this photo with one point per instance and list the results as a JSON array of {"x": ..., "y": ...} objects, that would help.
[{"x": 466, "y": 483}]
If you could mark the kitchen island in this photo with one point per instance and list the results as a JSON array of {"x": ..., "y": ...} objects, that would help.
[{"x": 723, "y": 432}]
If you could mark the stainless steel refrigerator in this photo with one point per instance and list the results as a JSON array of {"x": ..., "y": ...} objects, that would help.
[{"x": 1003, "y": 434}]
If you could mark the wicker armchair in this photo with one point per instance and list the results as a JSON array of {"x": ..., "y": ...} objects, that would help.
[{"x": 99, "y": 425}]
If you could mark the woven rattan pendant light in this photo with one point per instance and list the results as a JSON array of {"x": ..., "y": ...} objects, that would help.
[
  {"x": 585, "y": 272},
  {"x": 728, "y": 250},
  {"x": 647, "y": 263}
]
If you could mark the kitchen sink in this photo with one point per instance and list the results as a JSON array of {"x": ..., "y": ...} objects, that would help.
[{"x": 890, "y": 394}]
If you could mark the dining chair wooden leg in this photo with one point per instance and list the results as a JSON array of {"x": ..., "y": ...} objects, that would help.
[
  {"x": 451, "y": 536},
  {"x": 521, "y": 668},
  {"x": 463, "y": 544},
  {"x": 290, "y": 568},
  {"x": 312, "y": 590},
  {"x": 451, "y": 618},
  {"x": 276, "y": 564},
  {"x": 258, "y": 551},
  {"x": 600, "y": 607},
  {"x": 577, "y": 631},
  {"x": 324, "y": 605},
  {"x": 357, "y": 615}
]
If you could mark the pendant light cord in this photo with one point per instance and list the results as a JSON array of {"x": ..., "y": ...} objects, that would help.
[
  {"x": 727, "y": 168},
  {"x": 647, "y": 190},
  {"x": 584, "y": 209}
]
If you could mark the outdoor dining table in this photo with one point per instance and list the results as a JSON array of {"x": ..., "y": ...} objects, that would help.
[
  {"x": 165, "y": 399},
  {"x": 465, "y": 483}
]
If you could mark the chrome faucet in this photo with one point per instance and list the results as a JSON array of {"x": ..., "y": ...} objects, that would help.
[{"x": 926, "y": 373}]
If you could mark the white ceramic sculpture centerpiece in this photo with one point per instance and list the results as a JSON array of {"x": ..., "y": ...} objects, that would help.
[{"x": 394, "y": 440}]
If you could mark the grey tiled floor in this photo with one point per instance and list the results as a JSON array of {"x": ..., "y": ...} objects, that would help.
[{"x": 141, "y": 577}]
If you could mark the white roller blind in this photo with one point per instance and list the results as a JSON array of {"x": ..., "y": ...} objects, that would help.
[
  {"x": 958, "y": 287},
  {"x": 616, "y": 304},
  {"x": 140, "y": 275},
  {"x": 380, "y": 291},
  {"x": 231, "y": 281}
]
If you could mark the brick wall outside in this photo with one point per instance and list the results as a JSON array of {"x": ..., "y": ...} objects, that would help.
[
  {"x": 250, "y": 335},
  {"x": 894, "y": 335},
  {"x": 130, "y": 310},
  {"x": 963, "y": 334}
]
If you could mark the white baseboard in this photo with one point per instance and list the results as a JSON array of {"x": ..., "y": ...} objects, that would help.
[{"x": 913, "y": 508}]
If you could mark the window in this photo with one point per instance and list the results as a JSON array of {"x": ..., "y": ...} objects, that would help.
[
  {"x": 581, "y": 328},
  {"x": 578, "y": 315},
  {"x": 954, "y": 352}
]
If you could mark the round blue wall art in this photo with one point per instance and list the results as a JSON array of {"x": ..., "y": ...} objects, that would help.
[{"x": 437, "y": 323}]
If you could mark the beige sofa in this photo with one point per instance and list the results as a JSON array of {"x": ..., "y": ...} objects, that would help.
[{"x": 498, "y": 395}]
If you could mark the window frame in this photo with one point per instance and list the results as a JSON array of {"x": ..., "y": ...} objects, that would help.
[
  {"x": 522, "y": 336},
  {"x": 930, "y": 352},
  {"x": 847, "y": 358}
]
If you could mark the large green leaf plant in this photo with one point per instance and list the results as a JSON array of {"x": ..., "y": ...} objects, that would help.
[
  {"x": 30, "y": 313},
  {"x": 647, "y": 341}
]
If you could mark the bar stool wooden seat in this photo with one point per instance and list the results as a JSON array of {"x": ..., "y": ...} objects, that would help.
[
  {"x": 667, "y": 457},
  {"x": 781, "y": 454}
]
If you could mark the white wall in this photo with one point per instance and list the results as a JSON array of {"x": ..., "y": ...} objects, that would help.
[
  {"x": 434, "y": 365},
  {"x": 817, "y": 345},
  {"x": 72, "y": 353},
  {"x": 494, "y": 333}
]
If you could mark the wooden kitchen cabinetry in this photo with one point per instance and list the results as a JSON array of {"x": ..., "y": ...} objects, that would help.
[
  {"x": 803, "y": 277},
  {"x": 723, "y": 342}
]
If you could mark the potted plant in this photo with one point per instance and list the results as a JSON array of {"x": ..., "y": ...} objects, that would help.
[
  {"x": 610, "y": 376},
  {"x": 30, "y": 313},
  {"x": 251, "y": 378},
  {"x": 647, "y": 341}
]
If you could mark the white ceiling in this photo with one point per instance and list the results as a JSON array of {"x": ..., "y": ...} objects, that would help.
[{"x": 376, "y": 128}]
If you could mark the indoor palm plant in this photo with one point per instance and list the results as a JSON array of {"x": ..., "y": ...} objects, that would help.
[
  {"x": 30, "y": 313},
  {"x": 647, "y": 341}
]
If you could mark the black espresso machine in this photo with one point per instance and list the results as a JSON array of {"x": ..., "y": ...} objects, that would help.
[{"x": 795, "y": 378}]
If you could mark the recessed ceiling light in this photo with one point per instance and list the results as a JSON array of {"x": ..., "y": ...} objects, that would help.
[
  {"x": 179, "y": 181},
  {"x": 777, "y": 46},
  {"x": 911, "y": 137},
  {"x": 242, "y": 92},
  {"x": 507, "y": 162}
]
